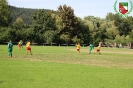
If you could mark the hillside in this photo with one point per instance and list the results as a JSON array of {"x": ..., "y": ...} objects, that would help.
[{"x": 24, "y": 13}]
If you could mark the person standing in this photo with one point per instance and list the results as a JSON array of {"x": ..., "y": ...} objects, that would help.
[
  {"x": 21, "y": 44},
  {"x": 28, "y": 48},
  {"x": 98, "y": 49},
  {"x": 10, "y": 48},
  {"x": 78, "y": 47},
  {"x": 91, "y": 47},
  {"x": 18, "y": 45}
]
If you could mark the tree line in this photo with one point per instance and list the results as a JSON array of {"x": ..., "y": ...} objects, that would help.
[{"x": 62, "y": 26}]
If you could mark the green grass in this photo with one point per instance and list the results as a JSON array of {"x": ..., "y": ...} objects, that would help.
[{"x": 63, "y": 67}]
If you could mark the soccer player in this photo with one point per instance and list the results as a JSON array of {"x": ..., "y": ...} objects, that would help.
[
  {"x": 19, "y": 45},
  {"x": 10, "y": 48},
  {"x": 78, "y": 47},
  {"x": 91, "y": 47},
  {"x": 28, "y": 48},
  {"x": 98, "y": 49}
]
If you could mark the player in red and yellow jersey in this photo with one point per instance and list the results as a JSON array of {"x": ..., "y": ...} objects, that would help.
[
  {"x": 98, "y": 49},
  {"x": 19, "y": 45},
  {"x": 28, "y": 48},
  {"x": 78, "y": 47}
]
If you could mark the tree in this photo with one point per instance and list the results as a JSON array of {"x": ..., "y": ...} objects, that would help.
[
  {"x": 19, "y": 23},
  {"x": 83, "y": 31},
  {"x": 131, "y": 35},
  {"x": 9, "y": 34},
  {"x": 59, "y": 24},
  {"x": 110, "y": 16},
  {"x": 122, "y": 39},
  {"x": 65, "y": 38},
  {"x": 4, "y": 13},
  {"x": 69, "y": 21},
  {"x": 43, "y": 21},
  {"x": 112, "y": 31},
  {"x": 77, "y": 40},
  {"x": 123, "y": 24},
  {"x": 96, "y": 33},
  {"x": 124, "y": 28},
  {"x": 49, "y": 36}
]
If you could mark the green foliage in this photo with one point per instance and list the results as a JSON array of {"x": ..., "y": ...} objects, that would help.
[
  {"x": 3, "y": 34},
  {"x": 96, "y": 32},
  {"x": 10, "y": 34},
  {"x": 123, "y": 24},
  {"x": 131, "y": 35},
  {"x": 128, "y": 40},
  {"x": 19, "y": 23},
  {"x": 120, "y": 39},
  {"x": 49, "y": 36},
  {"x": 25, "y": 34},
  {"x": 43, "y": 21},
  {"x": 4, "y": 13},
  {"x": 110, "y": 16},
  {"x": 124, "y": 27},
  {"x": 68, "y": 19},
  {"x": 83, "y": 31},
  {"x": 62, "y": 26},
  {"x": 65, "y": 38},
  {"x": 77, "y": 40},
  {"x": 23, "y": 13},
  {"x": 112, "y": 30}
]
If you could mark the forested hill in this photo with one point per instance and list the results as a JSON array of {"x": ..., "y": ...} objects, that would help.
[{"x": 24, "y": 13}]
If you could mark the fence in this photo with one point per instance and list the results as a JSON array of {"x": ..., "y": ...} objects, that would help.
[{"x": 44, "y": 44}]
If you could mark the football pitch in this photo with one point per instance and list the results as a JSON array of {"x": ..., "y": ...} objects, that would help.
[{"x": 63, "y": 67}]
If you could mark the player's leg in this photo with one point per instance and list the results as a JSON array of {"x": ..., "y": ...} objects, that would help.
[
  {"x": 9, "y": 52},
  {"x": 19, "y": 46},
  {"x": 30, "y": 51},
  {"x": 89, "y": 51},
  {"x": 22, "y": 46},
  {"x": 77, "y": 50},
  {"x": 99, "y": 52},
  {"x": 26, "y": 52}
]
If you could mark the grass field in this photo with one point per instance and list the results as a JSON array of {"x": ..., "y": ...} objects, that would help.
[{"x": 63, "y": 67}]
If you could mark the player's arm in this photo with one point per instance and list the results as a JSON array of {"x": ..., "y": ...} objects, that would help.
[{"x": 8, "y": 45}]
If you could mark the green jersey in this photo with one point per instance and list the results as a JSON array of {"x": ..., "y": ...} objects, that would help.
[
  {"x": 91, "y": 46},
  {"x": 21, "y": 43},
  {"x": 10, "y": 45}
]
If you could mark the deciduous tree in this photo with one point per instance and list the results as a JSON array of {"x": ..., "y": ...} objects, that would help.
[{"x": 4, "y": 13}]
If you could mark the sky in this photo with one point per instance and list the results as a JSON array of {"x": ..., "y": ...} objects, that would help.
[{"x": 82, "y": 8}]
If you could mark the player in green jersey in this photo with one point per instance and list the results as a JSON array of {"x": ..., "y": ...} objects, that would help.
[
  {"x": 21, "y": 44},
  {"x": 10, "y": 48},
  {"x": 91, "y": 47}
]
